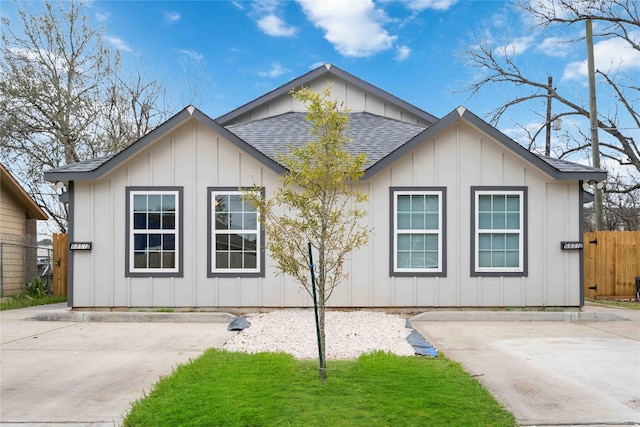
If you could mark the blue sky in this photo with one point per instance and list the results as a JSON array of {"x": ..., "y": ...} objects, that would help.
[{"x": 235, "y": 51}]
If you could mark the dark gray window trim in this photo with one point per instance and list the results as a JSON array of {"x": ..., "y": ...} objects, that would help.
[
  {"x": 525, "y": 231},
  {"x": 180, "y": 272},
  {"x": 392, "y": 220},
  {"x": 210, "y": 273}
]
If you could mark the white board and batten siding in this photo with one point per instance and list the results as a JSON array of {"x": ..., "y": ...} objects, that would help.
[{"x": 195, "y": 157}]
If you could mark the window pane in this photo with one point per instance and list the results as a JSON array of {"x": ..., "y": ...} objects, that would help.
[
  {"x": 139, "y": 242},
  {"x": 222, "y": 242},
  {"x": 417, "y": 259},
  {"x": 431, "y": 221},
  {"x": 484, "y": 203},
  {"x": 484, "y": 241},
  {"x": 169, "y": 203},
  {"x": 497, "y": 241},
  {"x": 250, "y": 242},
  {"x": 154, "y": 241},
  {"x": 512, "y": 241},
  {"x": 235, "y": 204},
  {"x": 513, "y": 259},
  {"x": 169, "y": 221},
  {"x": 404, "y": 221},
  {"x": 484, "y": 221},
  {"x": 139, "y": 202},
  {"x": 222, "y": 260},
  {"x": 431, "y": 260},
  {"x": 431, "y": 242},
  {"x": 484, "y": 259},
  {"x": 513, "y": 221},
  {"x": 417, "y": 242},
  {"x": 155, "y": 202},
  {"x": 417, "y": 203},
  {"x": 222, "y": 221},
  {"x": 417, "y": 221},
  {"x": 155, "y": 260},
  {"x": 222, "y": 203},
  {"x": 431, "y": 204},
  {"x": 169, "y": 260},
  {"x": 404, "y": 242},
  {"x": 154, "y": 221},
  {"x": 235, "y": 260},
  {"x": 498, "y": 221},
  {"x": 169, "y": 242},
  {"x": 513, "y": 203},
  {"x": 235, "y": 221},
  {"x": 499, "y": 203},
  {"x": 139, "y": 221},
  {"x": 497, "y": 259},
  {"x": 404, "y": 259},
  {"x": 250, "y": 221},
  {"x": 404, "y": 203},
  {"x": 140, "y": 260},
  {"x": 250, "y": 260}
]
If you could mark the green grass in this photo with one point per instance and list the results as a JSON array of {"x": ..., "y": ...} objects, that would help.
[
  {"x": 273, "y": 389},
  {"x": 23, "y": 300},
  {"x": 634, "y": 305}
]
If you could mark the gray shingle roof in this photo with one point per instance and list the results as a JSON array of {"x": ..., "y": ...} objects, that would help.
[
  {"x": 370, "y": 134},
  {"x": 84, "y": 166}
]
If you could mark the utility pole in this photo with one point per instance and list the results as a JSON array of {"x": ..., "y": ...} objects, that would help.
[
  {"x": 547, "y": 145},
  {"x": 593, "y": 124}
]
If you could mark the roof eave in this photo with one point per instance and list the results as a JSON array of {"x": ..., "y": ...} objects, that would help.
[{"x": 30, "y": 205}]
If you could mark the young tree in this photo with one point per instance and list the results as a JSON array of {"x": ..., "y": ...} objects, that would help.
[
  {"x": 506, "y": 66},
  {"x": 321, "y": 202},
  {"x": 62, "y": 99}
]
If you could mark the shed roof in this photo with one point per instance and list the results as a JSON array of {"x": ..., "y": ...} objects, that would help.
[{"x": 9, "y": 183}]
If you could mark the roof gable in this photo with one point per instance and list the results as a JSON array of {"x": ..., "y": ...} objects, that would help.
[
  {"x": 9, "y": 183},
  {"x": 324, "y": 70}
]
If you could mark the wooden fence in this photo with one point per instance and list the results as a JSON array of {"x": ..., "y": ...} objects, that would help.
[
  {"x": 60, "y": 264},
  {"x": 611, "y": 264}
]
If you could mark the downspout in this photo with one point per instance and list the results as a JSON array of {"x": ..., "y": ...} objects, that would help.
[
  {"x": 581, "y": 234},
  {"x": 70, "y": 229}
]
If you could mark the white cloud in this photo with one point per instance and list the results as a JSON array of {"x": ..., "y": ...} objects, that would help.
[
  {"x": 102, "y": 17},
  {"x": 276, "y": 27},
  {"x": 420, "y": 5},
  {"x": 275, "y": 71},
  {"x": 354, "y": 28},
  {"x": 403, "y": 53},
  {"x": 554, "y": 46},
  {"x": 610, "y": 54},
  {"x": 118, "y": 43},
  {"x": 192, "y": 54},
  {"x": 516, "y": 47},
  {"x": 265, "y": 13},
  {"x": 171, "y": 16}
]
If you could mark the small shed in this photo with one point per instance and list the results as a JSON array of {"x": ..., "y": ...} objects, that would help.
[{"x": 462, "y": 215}]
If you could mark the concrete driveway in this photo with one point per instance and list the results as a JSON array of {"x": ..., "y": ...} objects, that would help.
[
  {"x": 584, "y": 372},
  {"x": 87, "y": 373}
]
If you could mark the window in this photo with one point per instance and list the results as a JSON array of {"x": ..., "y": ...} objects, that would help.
[
  {"x": 499, "y": 241},
  {"x": 235, "y": 235},
  {"x": 418, "y": 221},
  {"x": 154, "y": 224}
]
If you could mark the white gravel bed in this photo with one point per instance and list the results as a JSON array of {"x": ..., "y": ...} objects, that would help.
[{"x": 348, "y": 334}]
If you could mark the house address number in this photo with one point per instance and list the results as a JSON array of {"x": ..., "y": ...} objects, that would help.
[
  {"x": 80, "y": 246},
  {"x": 571, "y": 246}
]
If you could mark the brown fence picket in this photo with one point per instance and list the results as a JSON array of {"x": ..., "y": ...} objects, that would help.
[
  {"x": 60, "y": 264},
  {"x": 611, "y": 264}
]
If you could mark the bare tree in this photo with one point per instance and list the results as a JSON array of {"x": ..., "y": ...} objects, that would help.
[
  {"x": 500, "y": 67},
  {"x": 62, "y": 99}
]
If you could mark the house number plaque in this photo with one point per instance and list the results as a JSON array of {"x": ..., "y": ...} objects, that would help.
[{"x": 80, "y": 246}]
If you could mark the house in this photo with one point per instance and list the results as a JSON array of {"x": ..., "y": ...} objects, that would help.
[
  {"x": 462, "y": 216},
  {"x": 19, "y": 214}
]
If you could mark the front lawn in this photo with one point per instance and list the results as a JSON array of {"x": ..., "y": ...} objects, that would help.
[
  {"x": 633, "y": 305},
  {"x": 223, "y": 388}
]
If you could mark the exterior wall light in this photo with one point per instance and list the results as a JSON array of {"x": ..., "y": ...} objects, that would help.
[{"x": 586, "y": 186}]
